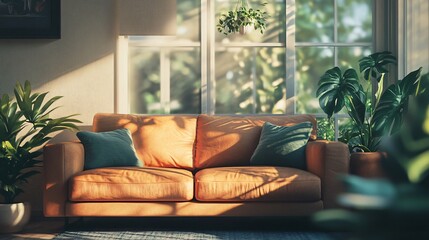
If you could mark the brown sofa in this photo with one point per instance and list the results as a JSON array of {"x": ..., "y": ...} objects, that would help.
[{"x": 195, "y": 165}]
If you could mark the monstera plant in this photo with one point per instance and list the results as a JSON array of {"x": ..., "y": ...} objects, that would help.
[
  {"x": 371, "y": 122},
  {"x": 397, "y": 207},
  {"x": 25, "y": 126}
]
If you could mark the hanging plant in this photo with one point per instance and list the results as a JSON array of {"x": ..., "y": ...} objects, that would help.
[{"x": 243, "y": 19}]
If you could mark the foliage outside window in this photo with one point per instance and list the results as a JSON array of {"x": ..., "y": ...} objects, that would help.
[{"x": 248, "y": 74}]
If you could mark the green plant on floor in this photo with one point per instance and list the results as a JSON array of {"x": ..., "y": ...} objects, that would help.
[
  {"x": 410, "y": 147},
  {"x": 242, "y": 18},
  {"x": 371, "y": 122},
  {"x": 397, "y": 208},
  {"x": 25, "y": 126}
]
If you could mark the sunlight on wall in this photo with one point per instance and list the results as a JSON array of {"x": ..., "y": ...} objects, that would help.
[
  {"x": 418, "y": 35},
  {"x": 85, "y": 91}
]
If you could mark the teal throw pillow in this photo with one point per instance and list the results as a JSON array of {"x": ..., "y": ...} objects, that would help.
[
  {"x": 108, "y": 149},
  {"x": 282, "y": 146}
]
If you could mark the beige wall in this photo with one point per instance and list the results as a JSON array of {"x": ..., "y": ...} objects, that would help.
[
  {"x": 79, "y": 66},
  {"x": 417, "y": 35}
]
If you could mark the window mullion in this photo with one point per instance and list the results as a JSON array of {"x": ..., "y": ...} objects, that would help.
[
  {"x": 211, "y": 83},
  {"x": 122, "y": 103},
  {"x": 165, "y": 80},
  {"x": 336, "y": 127},
  {"x": 290, "y": 57},
  {"x": 335, "y": 33},
  {"x": 253, "y": 77},
  {"x": 204, "y": 57}
]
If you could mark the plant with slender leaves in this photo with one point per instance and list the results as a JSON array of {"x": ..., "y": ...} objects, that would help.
[
  {"x": 381, "y": 118},
  {"x": 235, "y": 21},
  {"x": 25, "y": 126}
]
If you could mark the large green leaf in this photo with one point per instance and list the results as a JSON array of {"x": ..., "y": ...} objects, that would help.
[
  {"x": 388, "y": 114},
  {"x": 374, "y": 65},
  {"x": 334, "y": 88},
  {"x": 417, "y": 168},
  {"x": 23, "y": 98},
  {"x": 356, "y": 107},
  {"x": 410, "y": 82},
  {"x": 393, "y": 104},
  {"x": 10, "y": 119}
]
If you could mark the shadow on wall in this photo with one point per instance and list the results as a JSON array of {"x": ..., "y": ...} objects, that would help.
[
  {"x": 67, "y": 136},
  {"x": 88, "y": 34},
  {"x": 33, "y": 191}
]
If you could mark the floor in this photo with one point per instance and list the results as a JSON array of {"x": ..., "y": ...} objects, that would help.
[
  {"x": 38, "y": 228},
  {"x": 48, "y": 228}
]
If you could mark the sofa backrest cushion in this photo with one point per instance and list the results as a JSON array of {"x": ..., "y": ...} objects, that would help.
[
  {"x": 160, "y": 141},
  {"x": 231, "y": 140}
]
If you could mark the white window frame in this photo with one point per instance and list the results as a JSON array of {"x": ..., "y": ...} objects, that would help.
[{"x": 208, "y": 47}]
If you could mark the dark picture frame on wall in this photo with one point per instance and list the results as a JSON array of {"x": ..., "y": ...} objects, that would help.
[{"x": 24, "y": 19}]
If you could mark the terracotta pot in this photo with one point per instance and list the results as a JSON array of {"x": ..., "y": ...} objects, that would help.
[
  {"x": 14, "y": 217},
  {"x": 367, "y": 164}
]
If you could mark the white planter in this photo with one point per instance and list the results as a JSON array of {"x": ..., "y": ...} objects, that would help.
[
  {"x": 246, "y": 29},
  {"x": 13, "y": 217}
]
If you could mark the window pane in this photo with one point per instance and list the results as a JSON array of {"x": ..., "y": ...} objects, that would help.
[
  {"x": 311, "y": 63},
  {"x": 185, "y": 81},
  {"x": 188, "y": 20},
  {"x": 348, "y": 57},
  {"x": 147, "y": 81},
  {"x": 167, "y": 79},
  {"x": 144, "y": 80},
  {"x": 274, "y": 32},
  {"x": 354, "y": 20},
  {"x": 250, "y": 80},
  {"x": 325, "y": 128},
  {"x": 188, "y": 24},
  {"x": 314, "y": 20}
]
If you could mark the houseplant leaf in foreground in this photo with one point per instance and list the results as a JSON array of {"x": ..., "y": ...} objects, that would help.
[
  {"x": 393, "y": 104},
  {"x": 25, "y": 126}
]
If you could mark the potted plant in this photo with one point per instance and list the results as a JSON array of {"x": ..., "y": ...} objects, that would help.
[
  {"x": 395, "y": 209},
  {"x": 371, "y": 120},
  {"x": 25, "y": 126},
  {"x": 243, "y": 19}
]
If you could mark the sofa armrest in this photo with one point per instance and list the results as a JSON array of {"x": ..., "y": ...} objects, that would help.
[
  {"x": 328, "y": 160},
  {"x": 60, "y": 162}
]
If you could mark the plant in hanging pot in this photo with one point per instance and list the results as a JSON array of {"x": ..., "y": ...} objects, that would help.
[
  {"x": 243, "y": 19},
  {"x": 25, "y": 126},
  {"x": 370, "y": 122}
]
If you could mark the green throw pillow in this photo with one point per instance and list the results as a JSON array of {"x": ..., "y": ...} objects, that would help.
[
  {"x": 282, "y": 146},
  {"x": 109, "y": 149}
]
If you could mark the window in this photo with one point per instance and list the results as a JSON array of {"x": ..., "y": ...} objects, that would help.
[
  {"x": 203, "y": 71},
  {"x": 328, "y": 33},
  {"x": 165, "y": 72}
]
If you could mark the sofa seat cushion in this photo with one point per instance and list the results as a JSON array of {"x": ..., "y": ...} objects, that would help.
[
  {"x": 262, "y": 183},
  {"x": 132, "y": 184}
]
